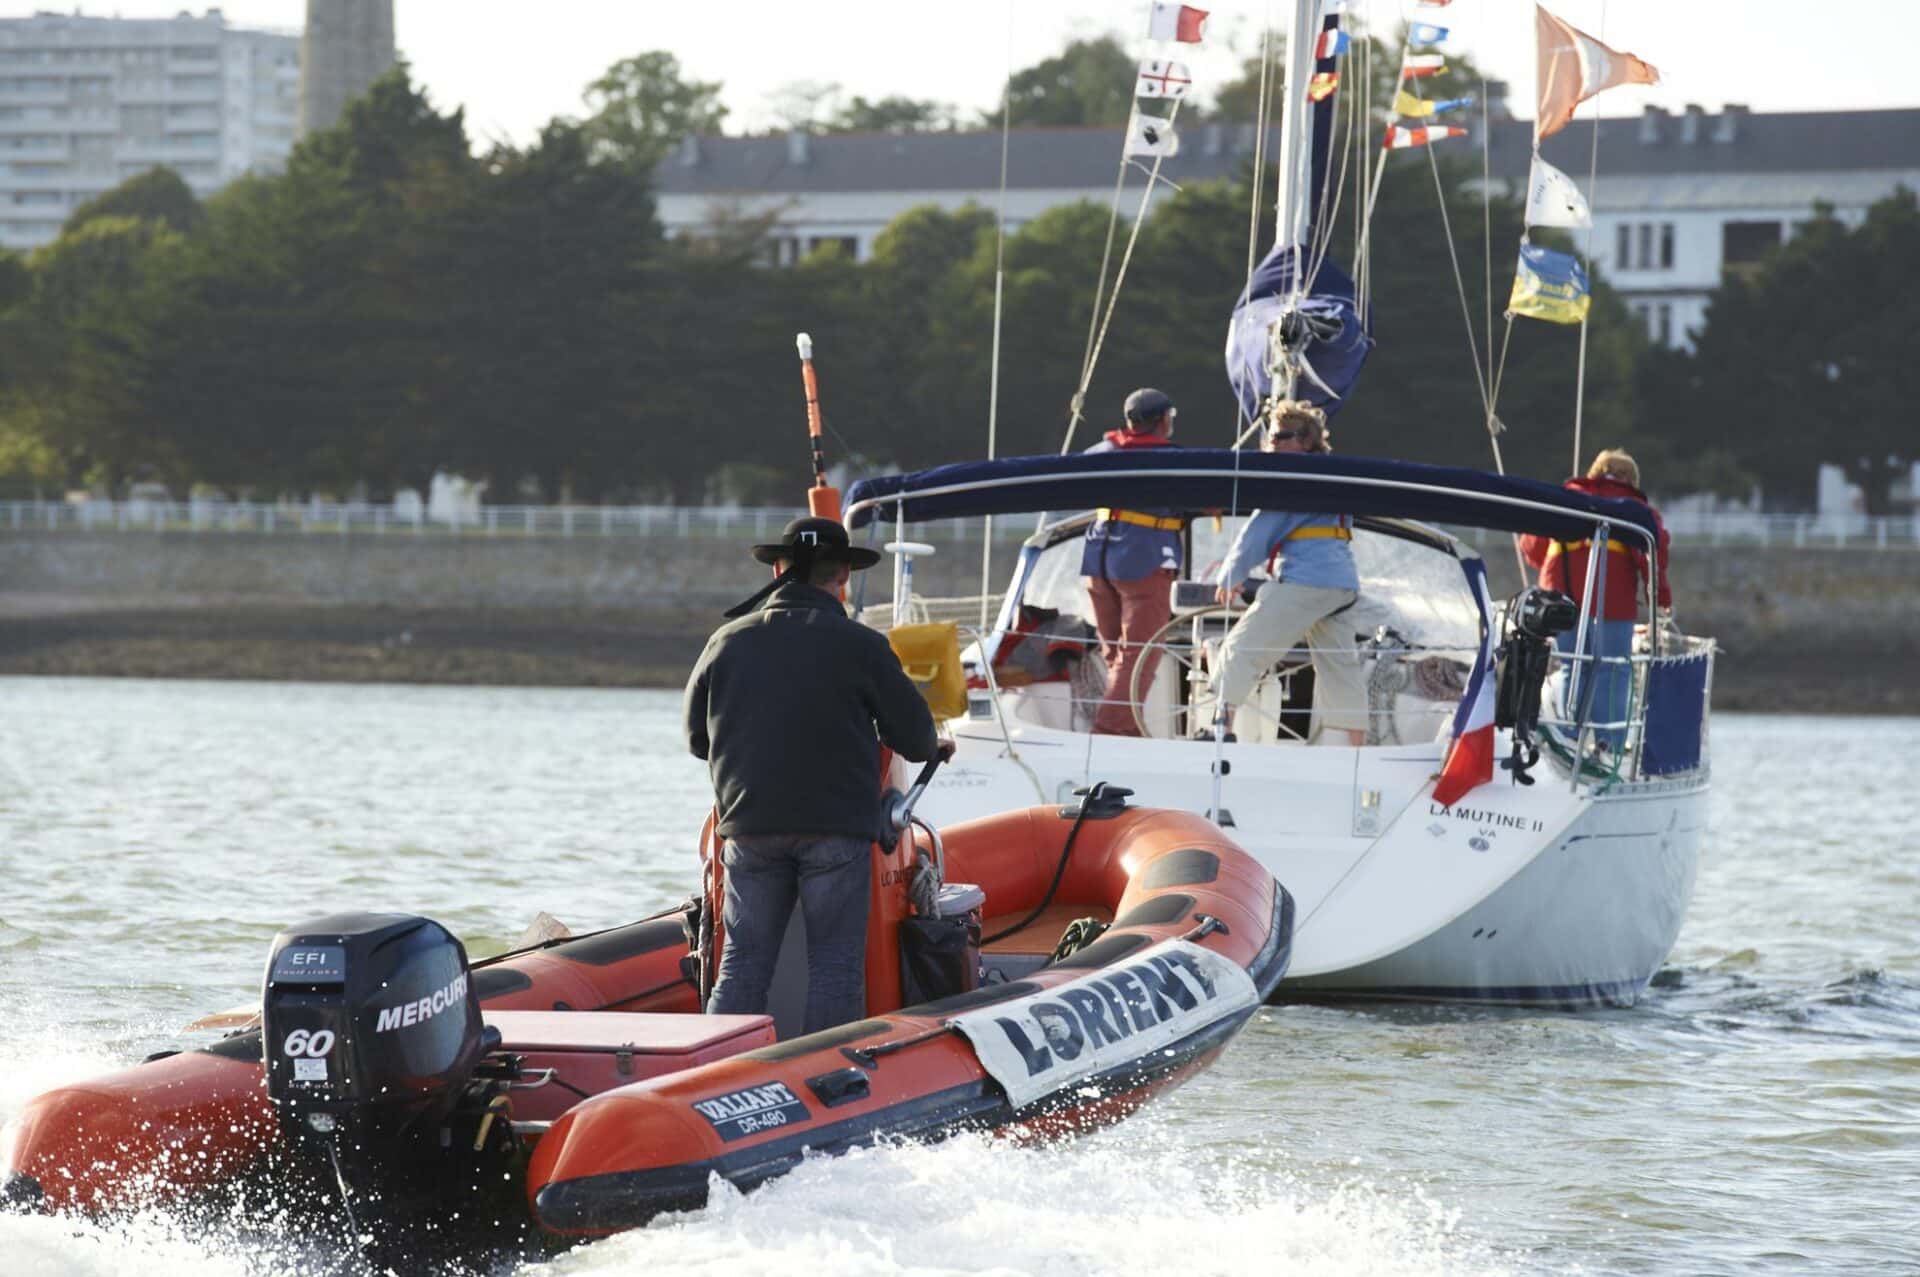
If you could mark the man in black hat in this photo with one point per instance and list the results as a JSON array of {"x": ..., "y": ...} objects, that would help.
[{"x": 785, "y": 705}]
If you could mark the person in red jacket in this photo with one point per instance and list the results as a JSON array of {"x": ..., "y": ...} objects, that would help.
[{"x": 1563, "y": 567}]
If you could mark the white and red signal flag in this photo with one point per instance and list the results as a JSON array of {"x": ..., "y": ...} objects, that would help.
[
  {"x": 1163, "y": 80},
  {"x": 1573, "y": 67},
  {"x": 1181, "y": 23},
  {"x": 1399, "y": 139}
]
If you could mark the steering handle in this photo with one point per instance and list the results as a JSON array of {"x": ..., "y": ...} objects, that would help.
[{"x": 900, "y": 814}]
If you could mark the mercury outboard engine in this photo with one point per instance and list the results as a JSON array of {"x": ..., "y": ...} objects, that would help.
[
  {"x": 1534, "y": 616},
  {"x": 373, "y": 1035}
]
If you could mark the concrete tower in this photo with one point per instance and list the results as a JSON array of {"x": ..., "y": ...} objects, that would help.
[{"x": 347, "y": 46}]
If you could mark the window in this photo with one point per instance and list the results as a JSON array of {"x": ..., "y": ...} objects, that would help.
[
  {"x": 847, "y": 245},
  {"x": 1744, "y": 244},
  {"x": 1663, "y": 324},
  {"x": 782, "y": 250},
  {"x": 1643, "y": 246}
]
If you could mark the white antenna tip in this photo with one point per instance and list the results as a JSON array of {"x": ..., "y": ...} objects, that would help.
[{"x": 805, "y": 345}]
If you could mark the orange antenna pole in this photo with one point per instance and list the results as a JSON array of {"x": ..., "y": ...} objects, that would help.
[{"x": 823, "y": 499}]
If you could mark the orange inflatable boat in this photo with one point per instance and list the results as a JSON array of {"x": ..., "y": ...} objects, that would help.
[{"x": 1039, "y": 971}]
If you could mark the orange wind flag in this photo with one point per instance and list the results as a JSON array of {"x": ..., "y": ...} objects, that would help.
[{"x": 1573, "y": 67}]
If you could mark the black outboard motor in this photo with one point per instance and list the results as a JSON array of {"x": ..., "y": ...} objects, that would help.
[
  {"x": 372, "y": 1033},
  {"x": 1534, "y": 616}
]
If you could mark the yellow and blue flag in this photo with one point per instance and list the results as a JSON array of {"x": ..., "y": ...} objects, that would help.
[
  {"x": 1550, "y": 286},
  {"x": 1413, "y": 108}
]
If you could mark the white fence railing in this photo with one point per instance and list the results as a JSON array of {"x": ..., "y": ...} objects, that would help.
[
  {"x": 764, "y": 523},
  {"x": 1852, "y": 531},
  {"x": 324, "y": 518}
]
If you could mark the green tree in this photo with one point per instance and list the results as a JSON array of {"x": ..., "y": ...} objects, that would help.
[
  {"x": 1808, "y": 358},
  {"x": 644, "y": 106},
  {"x": 546, "y": 266},
  {"x": 295, "y": 340},
  {"x": 81, "y": 413},
  {"x": 892, "y": 115},
  {"x": 158, "y": 195},
  {"x": 1089, "y": 83}
]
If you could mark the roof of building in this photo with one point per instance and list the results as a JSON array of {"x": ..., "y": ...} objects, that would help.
[{"x": 1734, "y": 141}]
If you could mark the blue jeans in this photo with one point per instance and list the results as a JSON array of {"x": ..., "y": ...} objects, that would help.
[
  {"x": 1612, "y": 683},
  {"x": 765, "y": 873}
]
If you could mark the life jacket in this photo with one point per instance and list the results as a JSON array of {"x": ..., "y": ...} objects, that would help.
[
  {"x": 1563, "y": 564},
  {"x": 1038, "y": 636},
  {"x": 1130, "y": 545},
  {"x": 1341, "y": 529}
]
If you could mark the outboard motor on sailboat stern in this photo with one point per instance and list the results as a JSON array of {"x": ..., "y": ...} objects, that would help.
[
  {"x": 1533, "y": 618},
  {"x": 370, "y": 1024}
]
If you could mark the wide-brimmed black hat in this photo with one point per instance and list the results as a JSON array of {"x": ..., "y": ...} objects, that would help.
[{"x": 811, "y": 537}]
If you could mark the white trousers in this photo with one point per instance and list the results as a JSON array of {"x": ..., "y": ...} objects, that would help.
[{"x": 1282, "y": 614}]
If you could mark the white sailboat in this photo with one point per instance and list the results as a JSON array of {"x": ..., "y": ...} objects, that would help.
[{"x": 1563, "y": 883}]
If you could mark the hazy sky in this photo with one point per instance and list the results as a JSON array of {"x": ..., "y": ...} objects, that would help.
[{"x": 514, "y": 64}]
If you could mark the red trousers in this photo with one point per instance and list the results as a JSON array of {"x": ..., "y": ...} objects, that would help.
[{"x": 1127, "y": 614}]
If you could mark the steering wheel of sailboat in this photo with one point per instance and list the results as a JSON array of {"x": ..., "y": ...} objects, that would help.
[{"x": 1181, "y": 702}]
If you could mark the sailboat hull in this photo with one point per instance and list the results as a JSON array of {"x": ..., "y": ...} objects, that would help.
[{"x": 1520, "y": 894}]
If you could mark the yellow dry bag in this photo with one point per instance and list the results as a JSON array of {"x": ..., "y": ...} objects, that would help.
[{"x": 930, "y": 654}]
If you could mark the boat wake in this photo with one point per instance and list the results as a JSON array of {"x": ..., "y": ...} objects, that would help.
[
  {"x": 1158, "y": 1194},
  {"x": 1729, "y": 996},
  {"x": 1140, "y": 1198}
]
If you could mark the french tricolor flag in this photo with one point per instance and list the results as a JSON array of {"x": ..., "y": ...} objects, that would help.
[
  {"x": 1470, "y": 757},
  {"x": 1331, "y": 44}
]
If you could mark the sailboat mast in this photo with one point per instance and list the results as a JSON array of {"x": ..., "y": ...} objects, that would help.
[{"x": 1293, "y": 203}]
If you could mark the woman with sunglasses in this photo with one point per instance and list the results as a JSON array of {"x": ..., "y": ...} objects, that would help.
[{"x": 1309, "y": 559}]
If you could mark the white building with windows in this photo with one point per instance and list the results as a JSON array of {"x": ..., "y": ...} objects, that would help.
[
  {"x": 1682, "y": 201},
  {"x": 1679, "y": 201},
  {"x": 86, "y": 103}
]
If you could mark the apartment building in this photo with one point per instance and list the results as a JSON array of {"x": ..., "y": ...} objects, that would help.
[{"x": 86, "y": 103}]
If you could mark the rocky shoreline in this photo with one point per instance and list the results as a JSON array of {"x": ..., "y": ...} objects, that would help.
[{"x": 642, "y": 648}]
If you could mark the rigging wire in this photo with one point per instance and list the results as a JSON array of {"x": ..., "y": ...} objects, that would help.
[
  {"x": 1593, "y": 182},
  {"x": 1486, "y": 221},
  {"x": 999, "y": 292},
  {"x": 1263, "y": 123},
  {"x": 1077, "y": 405},
  {"x": 1263, "y": 106},
  {"x": 1120, "y": 275}
]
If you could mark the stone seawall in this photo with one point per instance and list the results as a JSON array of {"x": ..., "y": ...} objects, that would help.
[{"x": 1793, "y": 621}]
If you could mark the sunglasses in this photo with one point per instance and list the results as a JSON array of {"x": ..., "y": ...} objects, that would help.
[{"x": 1279, "y": 435}]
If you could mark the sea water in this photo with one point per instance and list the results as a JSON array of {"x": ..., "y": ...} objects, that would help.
[{"x": 1759, "y": 1110}]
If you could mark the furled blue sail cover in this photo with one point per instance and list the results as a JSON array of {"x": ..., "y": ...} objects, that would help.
[{"x": 1335, "y": 361}]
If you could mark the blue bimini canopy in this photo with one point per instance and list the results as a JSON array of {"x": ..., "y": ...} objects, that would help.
[{"x": 1216, "y": 479}]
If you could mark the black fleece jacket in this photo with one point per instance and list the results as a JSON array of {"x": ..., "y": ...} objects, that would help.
[{"x": 784, "y": 705}]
